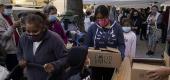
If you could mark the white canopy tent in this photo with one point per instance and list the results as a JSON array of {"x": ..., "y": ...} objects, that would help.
[
  {"x": 166, "y": 3},
  {"x": 125, "y": 3}
]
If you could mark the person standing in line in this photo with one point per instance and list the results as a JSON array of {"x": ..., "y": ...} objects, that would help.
[
  {"x": 41, "y": 52},
  {"x": 54, "y": 23},
  {"x": 154, "y": 21},
  {"x": 130, "y": 38},
  {"x": 9, "y": 38},
  {"x": 137, "y": 22},
  {"x": 87, "y": 22}
]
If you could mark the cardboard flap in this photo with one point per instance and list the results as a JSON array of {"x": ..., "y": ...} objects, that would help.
[
  {"x": 113, "y": 49},
  {"x": 124, "y": 71},
  {"x": 153, "y": 61},
  {"x": 108, "y": 49}
]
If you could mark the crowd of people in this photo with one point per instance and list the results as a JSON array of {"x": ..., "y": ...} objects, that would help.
[
  {"x": 150, "y": 24},
  {"x": 40, "y": 47}
]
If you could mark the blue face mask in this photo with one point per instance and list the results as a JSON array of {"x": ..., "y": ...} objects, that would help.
[
  {"x": 126, "y": 29},
  {"x": 52, "y": 18},
  {"x": 7, "y": 12}
]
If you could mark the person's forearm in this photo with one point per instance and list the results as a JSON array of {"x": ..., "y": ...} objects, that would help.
[{"x": 8, "y": 33}]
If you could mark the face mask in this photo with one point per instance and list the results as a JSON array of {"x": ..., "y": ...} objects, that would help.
[
  {"x": 52, "y": 18},
  {"x": 103, "y": 22},
  {"x": 126, "y": 29},
  {"x": 126, "y": 14},
  {"x": 7, "y": 12},
  {"x": 36, "y": 38}
]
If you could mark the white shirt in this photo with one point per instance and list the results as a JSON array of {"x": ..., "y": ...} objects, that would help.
[
  {"x": 87, "y": 23},
  {"x": 35, "y": 46},
  {"x": 119, "y": 17},
  {"x": 130, "y": 43}
]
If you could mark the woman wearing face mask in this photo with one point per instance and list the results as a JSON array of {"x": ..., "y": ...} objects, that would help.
[
  {"x": 105, "y": 33},
  {"x": 54, "y": 24},
  {"x": 154, "y": 22},
  {"x": 130, "y": 38},
  {"x": 9, "y": 38}
]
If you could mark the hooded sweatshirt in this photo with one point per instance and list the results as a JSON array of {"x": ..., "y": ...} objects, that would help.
[
  {"x": 106, "y": 37},
  {"x": 76, "y": 59}
]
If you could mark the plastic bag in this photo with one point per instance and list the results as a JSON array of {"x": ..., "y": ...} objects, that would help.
[{"x": 3, "y": 73}]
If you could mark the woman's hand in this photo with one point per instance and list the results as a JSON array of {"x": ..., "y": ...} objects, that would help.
[
  {"x": 23, "y": 63},
  {"x": 16, "y": 24},
  {"x": 159, "y": 74},
  {"x": 49, "y": 68}
]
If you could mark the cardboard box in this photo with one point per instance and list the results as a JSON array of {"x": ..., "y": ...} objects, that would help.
[
  {"x": 140, "y": 68},
  {"x": 167, "y": 59},
  {"x": 136, "y": 70},
  {"x": 108, "y": 58},
  {"x": 124, "y": 72}
]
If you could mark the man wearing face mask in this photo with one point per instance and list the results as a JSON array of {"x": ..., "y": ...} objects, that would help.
[
  {"x": 130, "y": 38},
  {"x": 41, "y": 52},
  {"x": 54, "y": 23},
  {"x": 9, "y": 37}
]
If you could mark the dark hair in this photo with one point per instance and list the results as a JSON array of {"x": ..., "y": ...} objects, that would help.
[
  {"x": 126, "y": 20},
  {"x": 41, "y": 15},
  {"x": 48, "y": 9},
  {"x": 1, "y": 5},
  {"x": 92, "y": 19},
  {"x": 167, "y": 8},
  {"x": 8, "y": 6},
  {"x": 103, "y": 10},
  {"x": 33, "y": 18},
  {"x": 155, "y": 7},
  {"x": 88, "y": 13}
]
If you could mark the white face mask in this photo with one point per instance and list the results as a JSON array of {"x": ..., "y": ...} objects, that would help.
[
  {"x": 126, "y": 29},
  {"x": 8, "y": 12},
  {"x": 52, "y": 18}
]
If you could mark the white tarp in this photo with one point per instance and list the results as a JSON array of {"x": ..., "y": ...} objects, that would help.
[
  {"x": 121, "y": 1},
  {"x": 125, "y": 3},
  {"x": 166, "y": 3}
]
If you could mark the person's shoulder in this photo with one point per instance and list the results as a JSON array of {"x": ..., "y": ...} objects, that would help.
[
  {"x": 133, "y": 34},
  {"x": 93, "y": 27},
  {"x": 53, "y": 34}
]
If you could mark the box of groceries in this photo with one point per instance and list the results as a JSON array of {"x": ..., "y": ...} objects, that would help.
[
  {"x": 141, "y": 66},
  {"x": 105, "y": 57}
]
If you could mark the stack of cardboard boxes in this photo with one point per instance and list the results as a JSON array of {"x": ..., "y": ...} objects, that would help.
[
  {"x": 129, "y": 69},
  {"x": 138, "y": 68}
]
